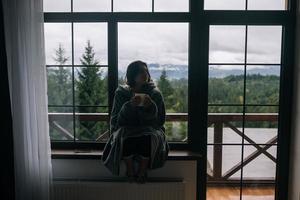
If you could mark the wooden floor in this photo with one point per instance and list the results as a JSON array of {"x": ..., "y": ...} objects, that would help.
[{"x": 233, "y": 193}]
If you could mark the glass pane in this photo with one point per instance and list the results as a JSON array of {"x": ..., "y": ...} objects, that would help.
[
  {"x": 226, "y": 84},
  {"x": 91, "y": 5},
  {"x": 171, "y": 6},
  {"x": 262, "y": 84},
  {"x": 223, "y": 168},
  {"x": 90, "y": 39},
  {"x": 261, "y": 124},
  {"x": 168, "y": 67},
  {"x": 58, "y": 43},
  {"x": 59, "y": 81},
  {"x": 227, "y": 44},
  {"x": 227, "y": 160},
  {"x": 92, "y": 123},
  {"x": 224, "y": 4},
  {"x": 57, "y": 5},
  {"x": 176, "y": 131},
  {"x": 225, "y": 125},
  {"x": 267, "y": 4},
  {"x": 132, "y": 5},
  {"x": 91, "y": 86},
  {"x": 264, "y": 44},
  {"x": 61, "y": 123},
  {"x": 259, "y": 168}
]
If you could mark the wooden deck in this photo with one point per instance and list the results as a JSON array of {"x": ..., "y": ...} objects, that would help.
[{"x": 233, "y": 193}]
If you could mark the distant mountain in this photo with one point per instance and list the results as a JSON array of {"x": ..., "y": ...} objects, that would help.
[{"x": 181, "y": 71}]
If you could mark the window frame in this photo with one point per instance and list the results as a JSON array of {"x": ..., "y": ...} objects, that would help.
[{"x": 199, "y": 21}]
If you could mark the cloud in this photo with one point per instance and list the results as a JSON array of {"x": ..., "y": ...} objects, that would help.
[{"x": 163, "y": 43}]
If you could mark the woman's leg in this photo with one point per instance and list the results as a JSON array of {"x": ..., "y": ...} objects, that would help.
[
  {"x": 128, "y": 153},
  {"x": 144, "y": 151}
]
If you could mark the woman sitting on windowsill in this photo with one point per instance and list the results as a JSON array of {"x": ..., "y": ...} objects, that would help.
[{"x": 137, "y": 125}]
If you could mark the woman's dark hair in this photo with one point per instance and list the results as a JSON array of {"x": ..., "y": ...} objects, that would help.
[{"x": 133, "y": 70}]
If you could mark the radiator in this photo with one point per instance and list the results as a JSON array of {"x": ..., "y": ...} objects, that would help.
[{"x": 84, "y": 190}]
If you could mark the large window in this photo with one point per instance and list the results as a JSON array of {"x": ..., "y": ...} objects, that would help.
[
  {"x": 224, "y": 68},
  {"x": 244, "y": 79},
  {"x": 77, "y": 80},
  {"x": 245, "y": 4},
  {"x": 164, "y": 46}
]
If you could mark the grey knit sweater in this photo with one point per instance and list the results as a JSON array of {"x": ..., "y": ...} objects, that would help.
[{"x": 133, "y": 121}]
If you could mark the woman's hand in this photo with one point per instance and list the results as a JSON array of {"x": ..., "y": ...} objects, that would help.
[
  {"x": 135, "y": 100},
  {"x": 147, "y": 100}
]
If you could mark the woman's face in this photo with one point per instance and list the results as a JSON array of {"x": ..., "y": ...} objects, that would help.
[{"x": 143, "y": 76}]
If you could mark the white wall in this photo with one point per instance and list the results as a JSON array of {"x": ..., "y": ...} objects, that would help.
[
  {"x": 84, "y": 168},
  {"x": 294, "y": 185}
]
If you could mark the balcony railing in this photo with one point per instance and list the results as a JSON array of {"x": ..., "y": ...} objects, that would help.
[{"x": 216, "y": 120}]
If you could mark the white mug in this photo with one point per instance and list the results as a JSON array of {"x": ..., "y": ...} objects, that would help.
[{"x": 142, "y": 95}]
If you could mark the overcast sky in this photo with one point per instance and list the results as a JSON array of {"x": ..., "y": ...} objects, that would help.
[{"x": 163, "y": 43}]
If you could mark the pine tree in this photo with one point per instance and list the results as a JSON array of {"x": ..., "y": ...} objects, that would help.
[
  {"x": 91, "y": 90},
  {"x": 59, "y": 80},
  {"x": 167, "y": 91},
  {"x": 60, "y": 89}
]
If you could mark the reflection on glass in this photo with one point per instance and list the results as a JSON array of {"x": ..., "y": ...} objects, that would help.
[
  {"x": 164, "y": 47},
  {"x": 90, "y": 38},
  {"x": 91, "y": 5},
  {"x": 58, "y": 43},
  {"x": 132, "y": 5},
  {"x": 171, "y": 6},
  {"x": 57, "y": 5},
  {"x": 264, "y": 44},
  {"x": 267, "y": 4},
  {"x": 261, "y": 168},
  {"x": 91, "y": 124},
  {"x": 91, "y": 86},
  {"x": 61, "y": 123},
  {"x": 224, "y": 4},
  {"x": 227, "y": 44},
  {"x": 59, "y": 81}
]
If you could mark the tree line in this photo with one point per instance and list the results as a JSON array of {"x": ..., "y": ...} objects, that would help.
[{"x": 88, "y": 93}]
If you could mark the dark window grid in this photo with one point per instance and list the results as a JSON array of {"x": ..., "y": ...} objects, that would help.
[
  {"x": 270, "y": 141},
  {"x": 244, "y": 105},
  {"x": 75, "y": 66},
  {"x": 266, "y": 64},
  {"x": 260, "y": 149},
  {"x": 240, "y": 144},
  {"x": 73, "y": 80},
  {"x": 112, "y": 6},
  {"x": 235, "y": 63},
  {"x": 244, "y": 109},
  {"x": 153, "y": 3},
  {"x": 71, "y": 106},
  {"x": 161, "y": 20},
  {"x": 213, "y": 18},
  {"x": 239, "y": 105},
  {"x": 101, "y": 66},
  {"x": 73, "y": 83},
  {"x": 288, "y": 5}
]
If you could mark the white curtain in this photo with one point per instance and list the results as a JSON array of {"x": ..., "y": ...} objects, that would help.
[{"x": 24, "y": 36}]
